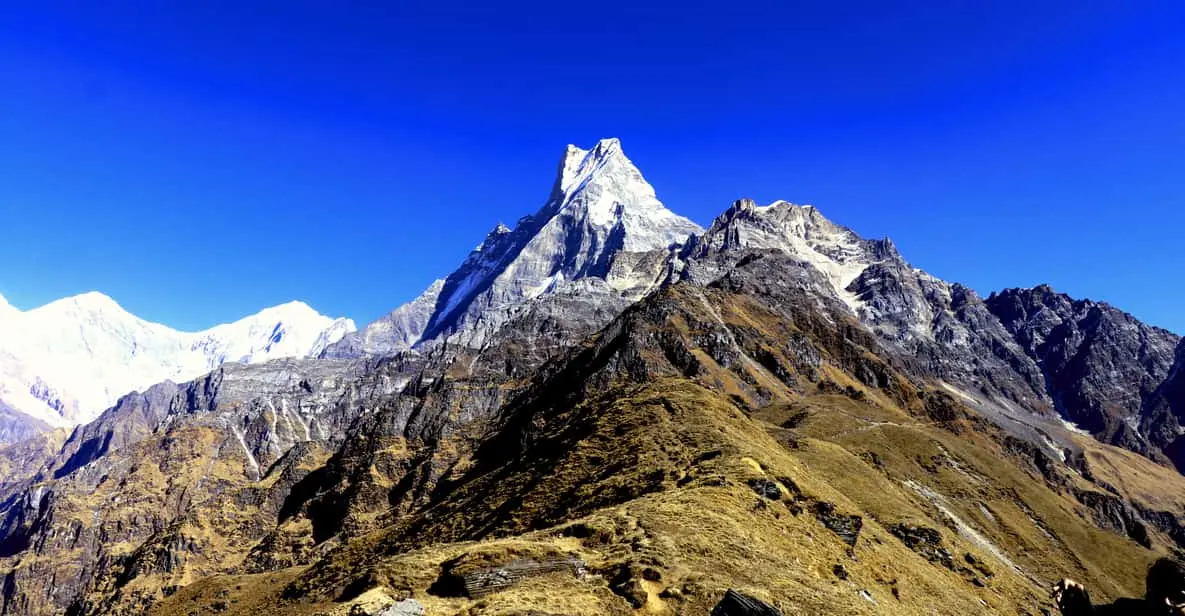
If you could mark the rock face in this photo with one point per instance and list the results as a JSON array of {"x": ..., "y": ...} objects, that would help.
[
  {"x": 67, "y": 361},
  {"x": 16, "y": 426},
  {"x": 174, "y": 471},
  {"x": 478, "y": 581},
  {"x": 599, "y": 207},
  {"x": 1163, "y": 416},
  {"x": 601, "y": 210},
  {"x": 799, "y": 231},
  {"x": 1102, "y": 366},
  {"x": 941, "y": 330},
  {"x": 397, "y": 331}
]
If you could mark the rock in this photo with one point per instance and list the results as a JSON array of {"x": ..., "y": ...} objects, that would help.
[
  {"x": 479, "y": 582},
  {"x": 627, "y": 584},
  {"x": 1164, "y": 413},
  {"x": 846, "y": 526},
  {"x": 924, "y": 541},
  {"x": 1113, "y": 513},
  {"x": 928, "y": 543},
  {"x": 766, "y": 488},
  {"x": 978, "y": 564},
  {"x": 396, "y": 331},
  {"x": 407, "y": 607},
  {"x": 1100, "y": 363},
  {"x": 739, "y": 604}
]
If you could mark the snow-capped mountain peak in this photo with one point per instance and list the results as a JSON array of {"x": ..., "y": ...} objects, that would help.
[
  {"x": 604, "y": 188},
  {"x": 81, "y": 305},
  {"x": 66, "y": 361},
  {"x": 5, "y": 308},
  {"x": 579, "y": 164},
  {"x": 600, "y": 206},
  {"x": 287, "y": 330}
]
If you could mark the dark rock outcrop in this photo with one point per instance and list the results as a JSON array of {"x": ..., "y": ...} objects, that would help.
[
  {"x": 766, "y": 489},
  {"x": 846, "y": 526},
  {"x": 739, "y": 604},
  {"x": 924, "y": 541},
  {"x": 459, "y": 577}
]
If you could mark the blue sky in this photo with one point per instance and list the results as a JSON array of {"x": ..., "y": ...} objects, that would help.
[{"x": 198, "y": 161}]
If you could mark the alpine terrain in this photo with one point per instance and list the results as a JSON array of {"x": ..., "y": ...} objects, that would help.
[
  {"x": 63, "y": 363},
  {"x": 605, "y": 409}
]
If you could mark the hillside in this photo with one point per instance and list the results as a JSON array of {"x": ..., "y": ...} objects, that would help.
[{"x": 673, "y": 464}]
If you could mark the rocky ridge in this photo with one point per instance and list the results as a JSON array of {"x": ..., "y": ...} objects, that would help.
[
  {"x": 1102, "y": 367},
  {"x": 1163, "y": 415}
]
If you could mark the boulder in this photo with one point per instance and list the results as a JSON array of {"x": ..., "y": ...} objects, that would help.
[{"x": 739, "y": 604}]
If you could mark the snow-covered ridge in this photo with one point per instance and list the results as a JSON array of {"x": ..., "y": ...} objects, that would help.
[
  {"x": 799, "y": 230},
  {"x": 67, "y": 361}
]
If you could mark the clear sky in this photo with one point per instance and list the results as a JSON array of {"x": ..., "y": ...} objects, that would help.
[{"x": 200, "y": 160}]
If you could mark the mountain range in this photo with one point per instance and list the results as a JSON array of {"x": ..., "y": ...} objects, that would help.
[
  {"x": 604, "y": 409},
  {"x": 65, "y": 362}
]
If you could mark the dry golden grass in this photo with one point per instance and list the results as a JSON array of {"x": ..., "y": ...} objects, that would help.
[
  {"x": 1145, "y": 482},
  {"x": 701, "y": 529},
  {"x": 650, "y": 485}
]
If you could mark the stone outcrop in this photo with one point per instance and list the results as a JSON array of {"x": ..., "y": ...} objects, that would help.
[
  {"x": 476, "y": 583},
  {"x": 739, "y": 604}
]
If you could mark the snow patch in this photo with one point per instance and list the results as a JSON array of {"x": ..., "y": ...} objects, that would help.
[
  {"x": 247, "y": 450},
  {"x": 1053, "y": 447},
  {"x": 967, "y": 531},
  {"x": 799, "y": 230},
  {"x": 958, "y": 392}
]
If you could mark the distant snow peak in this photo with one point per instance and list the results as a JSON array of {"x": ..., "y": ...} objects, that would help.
[
  {"x": 68, "y": 360},
  {"x": 91, "y": 302}
]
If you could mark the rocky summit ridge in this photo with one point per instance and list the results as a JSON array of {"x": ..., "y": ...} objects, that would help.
[{"x": 608, "y": 410}]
